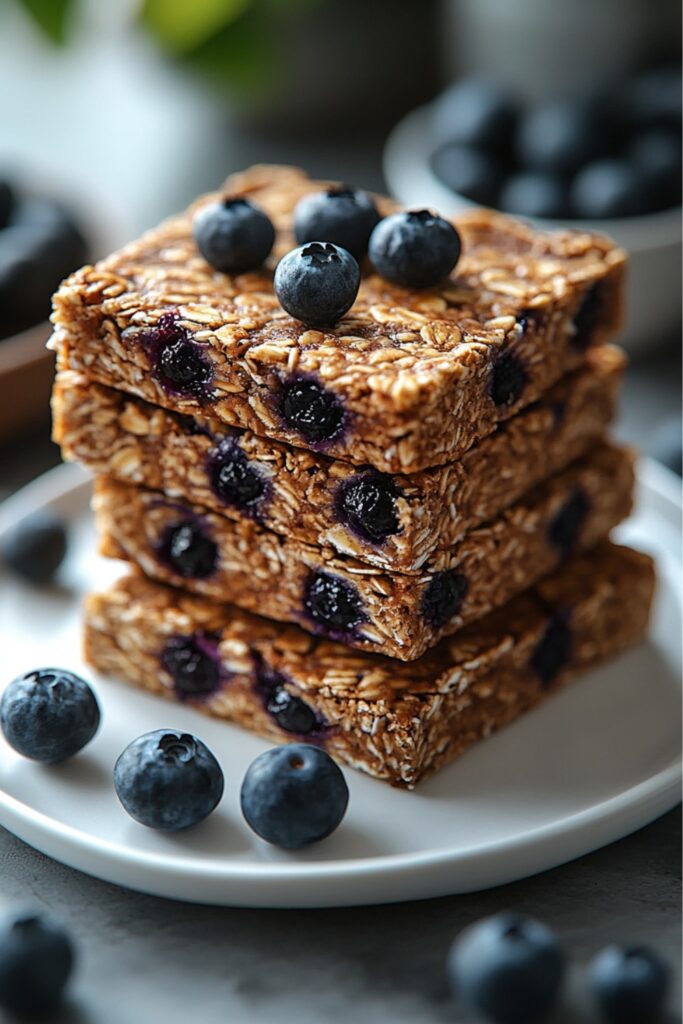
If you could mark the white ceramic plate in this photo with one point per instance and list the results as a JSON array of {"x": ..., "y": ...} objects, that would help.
[{"x": 594, "y": 763}]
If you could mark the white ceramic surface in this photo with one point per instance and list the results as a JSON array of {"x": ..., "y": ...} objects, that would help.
[
  {"x": 594, "y": 763},
  {"x": 653, "y": 242}
]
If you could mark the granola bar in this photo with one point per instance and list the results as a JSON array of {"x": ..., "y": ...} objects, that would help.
[
  {"x": 406, "y": 380},
  {"x": 396, "y": 522},
  {"x": 394, "y": 721},
  {"x": 361, "y": 605}
]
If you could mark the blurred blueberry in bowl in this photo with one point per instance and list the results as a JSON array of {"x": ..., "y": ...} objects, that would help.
[
  {"x": 468, "y": 170},
  {"x": 534, "y": 194},
  {"x": 474, "y": 112},
  {"x": 609, "y": 189},
  {"x": 560, "y": 137}
]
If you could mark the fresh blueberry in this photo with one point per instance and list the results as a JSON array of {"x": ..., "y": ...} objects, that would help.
[
  {"x": 468, "y": 172},
  {"x": 311, "y": 410},
  {"x": 188, "y": 550},
  {"x": 589, "y": 316},
  {"x": 560, "y": 137},
  {"x": 294, "y": 795},
  {"x": 415, "y": 249},
  {"x": 333, "y": 602},
  {"x": 193, "y": 664},
  {"x": 629, "y": 984},
  {"x": 344, "y": 216},
  {"x": 553, "y": 650},
  {"x": 234, "y": 479},
  {"x": 168, "y": 780},
  {"x": 507, "y": 968},
  {"x": 317, "y": 283},
  {"x": 49, "y": 715},
  {"x": 657, "y": 153},
  {"x": 473, "y": 112},
  {"x": 233, "y": 235},
  {"x": 36, "y": 960},
  {"x": 443, "y": 597},
  {"x": 609, "y": 188},
  {"x": 367, "y": 504},
  {"x": 6, "y": 202},
  {"x": 534, "y": 194},
  {"x": 565, "y": 526},
  {"x": 666, "y": 444},
  {"x": 35, "y": 548},
  {"x": 508, "y": 378}
]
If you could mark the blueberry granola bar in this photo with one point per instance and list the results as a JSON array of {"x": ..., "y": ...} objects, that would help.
[
  {"x": 406, "y": 380},
  {"x": 361, "y": 605},
  {"x": 396, "y": 522},
  {"x": 394, "y": 721}
]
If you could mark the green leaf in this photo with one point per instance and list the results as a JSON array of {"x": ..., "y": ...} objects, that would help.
[
  {"x": 51, "y": 16},
  {"x": 184, "y": 25}
]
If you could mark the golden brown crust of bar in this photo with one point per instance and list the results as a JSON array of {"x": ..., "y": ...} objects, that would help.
[
  {"x": 120, "y": 436},
  {"x": 395, "y": 721},
  {"x": 262, "y": 571},
  {"x": 412, "y": 370}
]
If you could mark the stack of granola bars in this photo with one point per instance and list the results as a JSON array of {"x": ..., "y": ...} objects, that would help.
[{"x": 389, "y": 537}]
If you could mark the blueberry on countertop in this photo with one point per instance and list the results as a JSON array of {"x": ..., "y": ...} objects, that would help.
[
  {"x": 629, "y": 984},
  {"x": 610, "y": 188},
  {"x": 35, "y": 548},
  {"x": 468, "y": 171},
  {"x": 474, "y": 112},
  {"x": 534, "y": 194},
  {"x": 415, "y": 249},
  {"x": 168, "y": 780},
  {"x": 507, "y": 968},
  {"x": 560, "y": 137},
  {"x": 344, "y": 216},
  {"x": 49, "y": 714},
  {"x": 188, "y": 550},
  {"x": 366, "y": 503},
  {"x": 317, "y": 283},
  {"x": 233, "y": 235},
  {"x": 294, "y": 795},
  {"x": 311, "y": 410},
  {"x": 36, "y": 960}
]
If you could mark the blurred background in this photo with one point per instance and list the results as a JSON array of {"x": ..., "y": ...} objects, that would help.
[{"x": 117, "y": 114}]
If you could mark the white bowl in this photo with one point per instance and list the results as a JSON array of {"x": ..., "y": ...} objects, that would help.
[{"x": 653, "y": 241}]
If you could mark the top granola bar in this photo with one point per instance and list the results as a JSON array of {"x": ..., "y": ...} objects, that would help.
[{"x": 406, "y": 380}]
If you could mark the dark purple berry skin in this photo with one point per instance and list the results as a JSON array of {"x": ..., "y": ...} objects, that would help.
[
  {"x": 49, "y": 714},
  {"x": 553, "y": 650},
  {"x": 468, "y": 172},
  {"x": 565, "y": 526},
  {"x": 508, "y": 378},
  {"x": 366, "y": 504},
  {"x": 193, "y": 663},
  {"x": 293, "y": 796},
  {"x": 333, "y": 603},
  {"x": 292, "y": 714},
  {"x": 629, "y": 984},
  {"x": 187, "y": 549},
  {"x": 234, "y": 479},
  {"x": 414, "y": 249},
  {"x": 233, "y": 235},
  {"x": 443, "y": 597},
  {"x": 36, "y": 960},
  {"x": 36, "y": 547},
  {"x": 317, "y": 283},
  {"x": 344, "y": 216},
  {"x": 179, "y": 363},
  {"x": 312, "y": 411}
]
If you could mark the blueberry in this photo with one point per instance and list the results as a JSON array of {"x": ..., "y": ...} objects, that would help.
[
  {"x": 366, "y": 503},
  {"x": 609, "y": 188},
  {"x": 6, "y": 202},
  {"x": 507, "y": 968},
  {"x": 443, "y": 597},
  {"x": 317, "y": 283},
  {"x": 49, "y": 715},
  {"x": 657, "y": 154},
  {"x": 234, "y": 479},
  {"x": 35, "y": 548},
  {"x": 193, "y": 664},
  {"x": 416, "y": 249},
  {"x": 333, "y": 602},
  {"x": 534, "y": 194},
  {"x": 344, "y": 216},
  {"x": 183, "y": 369},
  {"x": 294, "y": 795},
  {"x": 187, "y": 549},
  {"x": 560, "y": 137},
  {"x": 168, "y": 780},
  {"x": 565, "y": 526},
  {"x": 553, "y": 650},
  {"x": 233, "y": 235},
  {"x": 629, "y": 984},
  {"x": 291, "y": 713},
  {"x": 311, "y": 410},
  {"x": 36, "y": 960},
  {"x": 468, "y": 172},
  {"x": 473, "y": 112},
  {"x": 508, "y": 378}
]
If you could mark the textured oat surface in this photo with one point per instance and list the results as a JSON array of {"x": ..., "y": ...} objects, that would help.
[
  {"x": 395, "y": 721},
  {"x": 262, "y": 571},
  {"x": 126, "y": 438},
  {"x": 412, "y": 371}
]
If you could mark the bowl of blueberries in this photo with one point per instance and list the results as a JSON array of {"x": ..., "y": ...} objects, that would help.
[{"x": 610, "y": 164}]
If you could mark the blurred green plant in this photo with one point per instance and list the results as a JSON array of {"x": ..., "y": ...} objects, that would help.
[{"x": 51, "y": 16}]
